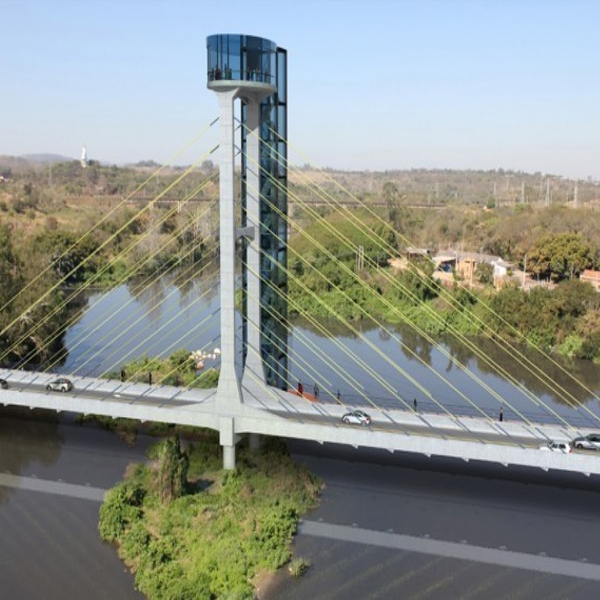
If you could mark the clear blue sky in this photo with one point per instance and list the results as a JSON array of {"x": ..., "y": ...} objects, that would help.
[{"x": 379, "y": 84}]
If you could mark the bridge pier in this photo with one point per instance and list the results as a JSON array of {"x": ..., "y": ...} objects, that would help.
[
  {"x": 228, "y": 458},
  {"x": 228, "y": 439}
]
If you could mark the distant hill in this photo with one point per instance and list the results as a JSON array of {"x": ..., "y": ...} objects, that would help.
[
  {"x": 19, "y": 164},
  {"x": 45, "y": 158}
]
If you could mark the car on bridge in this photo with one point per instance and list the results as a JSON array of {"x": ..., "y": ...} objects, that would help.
[
  {"x": 587, "y": 442},
  {"x": 62, "y": 384},
  {"x": 3, "y": 384},
  {"x": 563, "y": 447},
  {"x": 358, "y": 417}
]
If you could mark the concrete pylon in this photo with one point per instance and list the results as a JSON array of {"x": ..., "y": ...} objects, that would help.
[{"x": 229, "y": 394}]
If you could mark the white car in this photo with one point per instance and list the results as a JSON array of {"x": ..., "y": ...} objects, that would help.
[
  {"x": 563, "y": 447},
  {"x": 358, "y": 417}
]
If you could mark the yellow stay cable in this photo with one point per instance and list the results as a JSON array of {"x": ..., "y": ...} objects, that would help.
[
  {"x": 533, "y": 368},
  {"x": 144, "y": 285},
  {"x": 60, "y": 330},
  {"x": 369, "y": 290},
  {"x": 74, "y": 294},
  {"x": 103, "y": 219},
  {"x": 474, "y": 348}
]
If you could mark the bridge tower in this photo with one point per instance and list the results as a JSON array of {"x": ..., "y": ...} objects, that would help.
[{"x": 249, "y": 74}]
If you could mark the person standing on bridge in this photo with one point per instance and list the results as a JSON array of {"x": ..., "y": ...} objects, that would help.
[
  {"x": 501, "y": 417},
  {"x": 316, "y": 391},
  {"x": 150, "y": 378},
  {"x": 123, "y": 377},
  {"x": 415, "y": 404},
  {"x": 300, "y": 389}
]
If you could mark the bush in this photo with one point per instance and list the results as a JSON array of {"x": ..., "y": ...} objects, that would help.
[
  {"x": 298, "y": 566},
  {"x": 120, "y": 510},
  {"x": 212, "y": 541}
]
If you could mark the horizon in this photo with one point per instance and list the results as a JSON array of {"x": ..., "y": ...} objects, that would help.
[
  {"x": 384, "y": 86},
  {"x": 35, "y": 157}
]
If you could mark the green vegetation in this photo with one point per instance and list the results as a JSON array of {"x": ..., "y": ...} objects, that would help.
[
  {"x": 327, "y": 279},
  {"x": 47, "y": 214},
  {"x": 298, "y": 566},
  {"x": 189, "y": 530},
  {"x": 177, "y": 369},
  {"x": 64, "y": 225}
]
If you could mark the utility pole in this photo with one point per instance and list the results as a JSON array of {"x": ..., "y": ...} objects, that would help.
[
  {"x": 547, "y": 192},
  {"x": 522, "y": 192}
]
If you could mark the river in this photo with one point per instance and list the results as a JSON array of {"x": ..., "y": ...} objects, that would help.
[
  {"x": 52, "y": 472},
  {"x": 388, "y": 365}
]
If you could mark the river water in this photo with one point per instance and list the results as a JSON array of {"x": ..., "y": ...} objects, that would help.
[
  {"x": 367, "y": 364},
  {"x": 51, "y": 471}
]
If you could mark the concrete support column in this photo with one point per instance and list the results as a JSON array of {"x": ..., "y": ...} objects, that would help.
[
  {"x": 228, "y": 391},
  {"x": 228, "y": 439},
  {"x": 254, "y": 362},
  {"x": 228, "y": 458},
  {"x": 254, "y": 441}
]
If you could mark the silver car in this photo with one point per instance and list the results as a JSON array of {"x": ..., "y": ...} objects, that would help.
[
  {"x": 587, "y": 442},
  {"x": 62, "y": 384}
]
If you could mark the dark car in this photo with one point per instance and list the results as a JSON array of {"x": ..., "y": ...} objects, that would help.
[
  {"x": 587, "y": 442},
  {"x": 62, "y": 384},
  {"x": 358, "y": 417},
  {"x": 3, "y": 384}
]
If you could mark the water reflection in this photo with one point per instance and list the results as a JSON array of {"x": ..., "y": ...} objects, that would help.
[
  {"x": 367, "y": 363},
  {"x": 410, "y": 366},
  {"x": 137, "y": 319},
  {"x": 27, "y": 437}
]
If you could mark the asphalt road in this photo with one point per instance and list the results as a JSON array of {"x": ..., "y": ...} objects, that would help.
[{"x": 402, "y": 526}]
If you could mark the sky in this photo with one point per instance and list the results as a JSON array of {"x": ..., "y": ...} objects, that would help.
[{"x": 373, "y": 84}]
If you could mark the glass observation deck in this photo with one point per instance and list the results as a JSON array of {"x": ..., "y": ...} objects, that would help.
[
  {"x": 241, "y": 61},
  {"x": 244, "y": 61}
]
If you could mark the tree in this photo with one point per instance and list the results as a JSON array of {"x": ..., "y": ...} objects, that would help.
[
  {"x": 391, "y": 196},
  {"x": 172, "y": 470},
  {"x": 485, "y": 273},
  {"x": 560, "y": 255}
]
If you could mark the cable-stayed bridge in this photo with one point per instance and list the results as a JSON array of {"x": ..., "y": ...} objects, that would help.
[{"x": 257, "y": 391}]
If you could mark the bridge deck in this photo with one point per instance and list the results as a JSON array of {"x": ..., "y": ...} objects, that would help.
[{"x": 274, "y": 412}]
